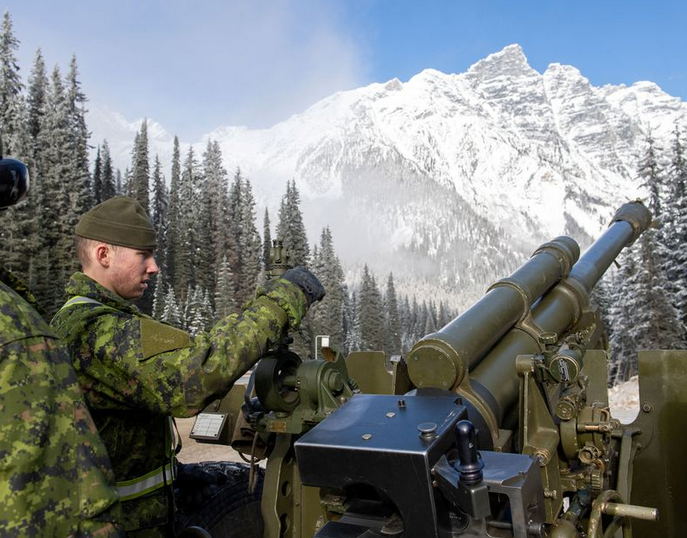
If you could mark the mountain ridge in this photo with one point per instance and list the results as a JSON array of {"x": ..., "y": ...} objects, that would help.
[{"x": 455, "y": 178}]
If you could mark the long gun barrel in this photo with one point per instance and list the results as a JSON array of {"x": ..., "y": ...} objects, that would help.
[{"x": 544, "y": 297}]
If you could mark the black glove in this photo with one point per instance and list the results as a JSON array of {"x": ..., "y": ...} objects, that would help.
[{"x": 305, "y": 280}]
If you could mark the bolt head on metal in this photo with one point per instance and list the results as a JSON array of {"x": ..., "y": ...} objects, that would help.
[{"x": 367, "y": 436}]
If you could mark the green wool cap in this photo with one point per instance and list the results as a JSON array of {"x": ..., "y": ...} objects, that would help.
[{"x": 119, "y": 221}]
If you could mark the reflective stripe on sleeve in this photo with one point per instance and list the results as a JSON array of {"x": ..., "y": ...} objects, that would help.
[
  {"x": 79, "y": 299},
  {"x": 138, "y": 487}
]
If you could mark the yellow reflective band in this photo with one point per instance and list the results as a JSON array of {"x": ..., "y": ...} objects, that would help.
[
  {"x": 79, "y": 299},
  {"x": 138, "y": 487}
]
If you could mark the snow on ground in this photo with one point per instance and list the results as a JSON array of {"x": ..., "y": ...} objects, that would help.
[{"x": 624, "y": 400}]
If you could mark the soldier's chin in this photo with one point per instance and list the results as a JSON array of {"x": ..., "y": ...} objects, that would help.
[{"x": 135, "y": 294}]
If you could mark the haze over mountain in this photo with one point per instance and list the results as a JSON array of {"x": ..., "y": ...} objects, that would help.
[{"x": 449, "y": 180}]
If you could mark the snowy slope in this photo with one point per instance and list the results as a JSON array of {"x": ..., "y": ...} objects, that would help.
[{"x": 447, "y": 179}]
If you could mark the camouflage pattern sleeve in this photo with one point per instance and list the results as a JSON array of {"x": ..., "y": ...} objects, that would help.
[
  {"x": 55, "y": 476},
  {"x": 135, "y": 362}
]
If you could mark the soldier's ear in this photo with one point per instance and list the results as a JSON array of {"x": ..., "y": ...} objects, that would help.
[{"x": 103, "y": 254}]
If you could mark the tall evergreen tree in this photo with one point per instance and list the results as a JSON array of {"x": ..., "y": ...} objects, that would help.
[
  {"x": 120, "y": 187},
  {"x": 291, "y": 228},
  {"x": 158, "y": 215},
  {"x": 370, "y": 316},
  {"x": 224, "y": 291},
  {"x": 186, "y": 243},
  {"x": 244, "y": 237},
  {"x": 353, "y": 340},
  {"x": 36, "y": 106},
  {"x": 171, "y": 312},
  {"x": 266, "y": 240},
  {"x": 676, "y": 228},
  {"x": 655, "y": 322},
  {"x": 81, "y": 192},
  {"x": 328, "y": 315},
  {"x": 55, "y": 143},
  {"x": 140, "y": 168},
  {"x": 249, "y": 246},
  {"x": 11, "y": 100},
  {"x": 624, "y": 303},
  {"x": 98, "y": 178},
  {"x": 159, "y": 296},
  {"x": 211, "y": 217},
  {"x": 392, "y": 328},
  {"x": 173, "y": 215},
  {"x": 108, "y": 188}
]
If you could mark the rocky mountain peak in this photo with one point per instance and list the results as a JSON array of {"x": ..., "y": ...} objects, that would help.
[
  {"x": 509, "y": 62},
  {"x": 433, "y": 176}
]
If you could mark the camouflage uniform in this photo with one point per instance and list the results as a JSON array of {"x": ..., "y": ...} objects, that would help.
[
  {"x": 137, "y": 372},
  {"x": 55, "y": 476}
]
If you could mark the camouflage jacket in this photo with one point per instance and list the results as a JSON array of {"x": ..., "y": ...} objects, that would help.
[
  {"x": 137, "y": 372},
  {"x": 55, "y": 476}
]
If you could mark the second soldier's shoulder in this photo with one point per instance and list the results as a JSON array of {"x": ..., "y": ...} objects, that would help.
[{"x": 18, "y": 319}]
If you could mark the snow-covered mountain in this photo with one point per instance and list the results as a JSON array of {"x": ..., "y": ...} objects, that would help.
[{"x": 451, "y": 179}]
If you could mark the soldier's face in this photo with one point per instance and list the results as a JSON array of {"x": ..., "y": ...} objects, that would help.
[{"x": 131, "y": 270}]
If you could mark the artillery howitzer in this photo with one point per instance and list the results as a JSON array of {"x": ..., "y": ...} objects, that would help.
[{"x": 496, "y": 425}]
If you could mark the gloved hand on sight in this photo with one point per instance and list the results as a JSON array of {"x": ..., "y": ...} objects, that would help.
[{"x": 305, "y": 280}]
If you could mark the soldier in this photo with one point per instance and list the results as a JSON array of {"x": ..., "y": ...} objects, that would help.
[
  {"x": 137, "y": 372},
  {"x": 55, "y": 476}
]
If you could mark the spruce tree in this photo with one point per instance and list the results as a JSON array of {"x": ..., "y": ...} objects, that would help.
[
  {"x": 249, "y": 246},
  {"x": 370, "y": 314},
  {"x": 266, "y": 240},
  {"x": 23, "y": 250},
  {"x": 36, "y": 105},
  {"x": 98, "y": 178},
  {"x": 392, "y": 328},
  {"x": 353, "y": 341},
  {"x": 140, "y": 168},
  {"x": 327, "y": 316},
  {"x": 624, "y": 304},
  {"x": 108, "y": 187},
  {"x": 173, "y": 215},
  {"x": 224, "y": 291},
  {"x": 291, "y": 228},
  {"x": 186, "y": 244},
  {"x": 81, "y": 192},
  {"x": 159, "y": 295},
  {"x": 11, "y": 99},
  {"x": 245, "y": 237},
  {"x": 655, "y": 322},
  {"x": 198, "y": 312},
  {"x": 676, "y": 228},
  {"x": 120, "y": 187},
  {"x": 171, "y": 313},
  {"x": 211, "y": 217},
  {"x": 56, "y": 170},
  {"x": 158, "y": 212},
  {"x": 158, "y": 215},
  {"x": 17, "y": 226}
]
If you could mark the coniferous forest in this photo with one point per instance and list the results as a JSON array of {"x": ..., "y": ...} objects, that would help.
[{"x": 213, "y": 247}]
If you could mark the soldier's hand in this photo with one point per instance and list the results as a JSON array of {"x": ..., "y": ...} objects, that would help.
[{"x": 305, "y": 280}]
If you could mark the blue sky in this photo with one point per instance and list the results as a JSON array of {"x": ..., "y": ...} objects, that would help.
[{"x": 194, "y": 66}]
